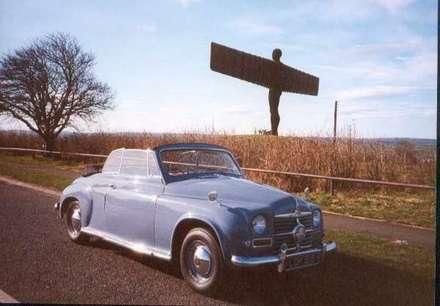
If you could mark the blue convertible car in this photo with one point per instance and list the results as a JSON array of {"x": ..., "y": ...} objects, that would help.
[{"x": 190, "y": 203}]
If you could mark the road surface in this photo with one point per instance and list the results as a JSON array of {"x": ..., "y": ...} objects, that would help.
[{"x": 38, "y": 263}]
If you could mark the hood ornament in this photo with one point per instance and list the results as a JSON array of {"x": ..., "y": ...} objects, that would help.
[{"x": 299, "y": 232}]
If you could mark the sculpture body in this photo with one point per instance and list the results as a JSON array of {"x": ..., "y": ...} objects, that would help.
[{"x": 264, "y": 72}]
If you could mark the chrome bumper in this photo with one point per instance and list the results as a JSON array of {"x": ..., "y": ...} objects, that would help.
[{"x": 244, "y": 261}]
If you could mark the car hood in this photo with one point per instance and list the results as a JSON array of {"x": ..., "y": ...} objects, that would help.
[{"x": 238, "y": 193}]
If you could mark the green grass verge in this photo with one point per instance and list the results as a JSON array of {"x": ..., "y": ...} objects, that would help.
[
  {"x": 35, "y": 177},
  {"x": 368, "y": 270},
  {"x": 415, "y": 208},
  {"x": 408, "y": 259},
  {"x": 39, "y": 160}
]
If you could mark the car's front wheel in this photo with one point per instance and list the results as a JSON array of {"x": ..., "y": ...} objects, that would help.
[
  {"x": 201, "y": 262},
  {"x": 72, "y": 220}
]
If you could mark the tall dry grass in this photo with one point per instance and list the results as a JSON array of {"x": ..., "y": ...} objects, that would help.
[{"x": 350, "y": 157}]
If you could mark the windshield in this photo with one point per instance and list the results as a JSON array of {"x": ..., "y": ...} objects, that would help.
[{"x": 184, "y": 162}]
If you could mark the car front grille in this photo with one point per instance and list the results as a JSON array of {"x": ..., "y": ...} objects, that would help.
[
  {"x": 286, "y": 224},
  {"x": 283, "y": 227}
]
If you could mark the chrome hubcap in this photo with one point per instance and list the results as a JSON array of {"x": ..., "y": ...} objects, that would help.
[
  {"x": 75, "y": 221},
  {"x": 199, "y": 261},
  {"x": 202, "y": 260}
]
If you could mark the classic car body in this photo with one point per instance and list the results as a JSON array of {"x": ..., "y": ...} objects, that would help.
[{"x": 143, "y": 201}]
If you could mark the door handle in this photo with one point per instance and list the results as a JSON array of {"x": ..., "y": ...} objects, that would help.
[{"x": 112, "y": 186}]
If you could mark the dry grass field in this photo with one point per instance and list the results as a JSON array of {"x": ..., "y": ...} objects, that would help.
[{"x": 350, "y": 157}]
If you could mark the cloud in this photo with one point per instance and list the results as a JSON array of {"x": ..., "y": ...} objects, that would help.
[
  {"x": 164, "y": 109},
  {"x": 254, "y": 27},
  {"x": 422, "y": 67},
  {"x": 374, "y": 92},
  {"x": 186, "y": 3},
  {"x": 351, "y": 10},
  {"x": 377, "y": 109},
  {"x": 392, "y": 6},
  {"x": 374, "y": 49},
  {"x": 342, "y": 11},
  {"x": 239, "y": 110},
  {"x": 396, "y": 62},
  {"x": 147, "y": 27}
]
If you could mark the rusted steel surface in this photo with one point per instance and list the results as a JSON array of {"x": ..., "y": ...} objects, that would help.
[
  {"x": 316, "y": 176},
  {"x": 261, "y": 71}
]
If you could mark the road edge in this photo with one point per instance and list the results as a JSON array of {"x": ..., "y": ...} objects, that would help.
[
  {"x": 6, "y": 298},
  {"x": 12, "y": 181}
]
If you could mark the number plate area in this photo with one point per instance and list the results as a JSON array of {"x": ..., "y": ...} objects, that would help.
[{"x": 302, "y": 261}]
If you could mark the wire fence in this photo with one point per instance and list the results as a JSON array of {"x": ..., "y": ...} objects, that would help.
[{"x": 267, "y": 171}]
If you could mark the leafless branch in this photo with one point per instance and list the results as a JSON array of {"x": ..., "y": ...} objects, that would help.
[{"x": 49, "y": 84}]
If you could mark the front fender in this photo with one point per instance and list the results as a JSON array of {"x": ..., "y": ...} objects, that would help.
[
  {"x": 219, "y": 232},
  {"x": 225, "y": 223},
  {"x": 83, "y": 194}
]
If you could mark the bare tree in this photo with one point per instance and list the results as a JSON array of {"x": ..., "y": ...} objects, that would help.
[{"x": 49, "y": 84}]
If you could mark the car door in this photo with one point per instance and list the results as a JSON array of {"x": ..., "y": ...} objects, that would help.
[
  {"x": 101, "y": 185},
  {"x": 131, "y": 205}
]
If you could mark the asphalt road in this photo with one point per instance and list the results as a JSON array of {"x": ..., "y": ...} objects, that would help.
[{"x": 38, "y": 263}]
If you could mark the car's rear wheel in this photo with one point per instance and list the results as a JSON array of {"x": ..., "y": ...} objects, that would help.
[
  {"x": 72, "y": 219},
  {"x": 201, "y": 262}
]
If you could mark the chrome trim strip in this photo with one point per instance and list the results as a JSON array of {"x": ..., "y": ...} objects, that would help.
[
  {"x": 264, "y": 245},
  {"x": 294, "y": 214},
  {"x": 243, "y": 261},
  {"x": 251, "y": 261},
  {"x": 310, "y": 230},
  {"x": 301, "y": 247},
  {"x": 311, "y": 251},
  {"x": 142, "y": 249}
]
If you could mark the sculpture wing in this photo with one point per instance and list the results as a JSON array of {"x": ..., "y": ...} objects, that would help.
[{"x": 261, "y": 71}]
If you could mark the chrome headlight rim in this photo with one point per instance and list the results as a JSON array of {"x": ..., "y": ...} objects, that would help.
[
  {"x": 259, "y": 224},
  {"x": 317, "y": 216}
]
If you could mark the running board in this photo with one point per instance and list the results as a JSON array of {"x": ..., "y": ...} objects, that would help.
[{"x": 138, "y": 248}]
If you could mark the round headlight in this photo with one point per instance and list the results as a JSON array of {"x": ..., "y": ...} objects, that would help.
[
  {"x": 316, "y": 217},
  {"x": 259, "y": 224}
]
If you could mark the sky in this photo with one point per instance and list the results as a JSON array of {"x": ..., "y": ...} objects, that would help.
[{"x": 378, "y": 58}]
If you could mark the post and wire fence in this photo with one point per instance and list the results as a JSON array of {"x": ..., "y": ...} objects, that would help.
[{"x": 331, "y": 179}]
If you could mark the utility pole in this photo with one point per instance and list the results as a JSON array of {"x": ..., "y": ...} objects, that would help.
[{"x": 335, "y": 120}]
